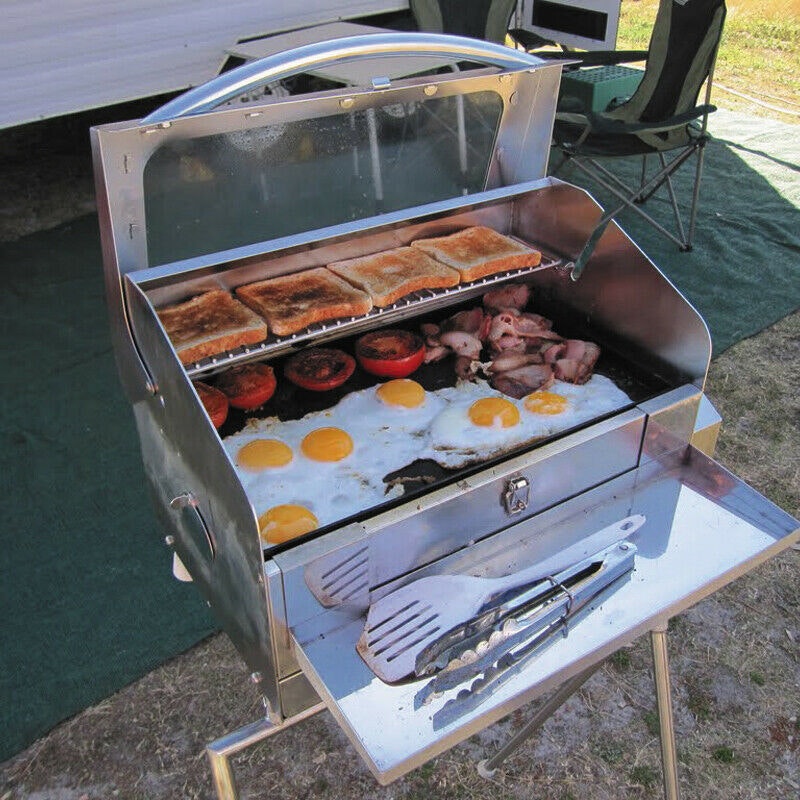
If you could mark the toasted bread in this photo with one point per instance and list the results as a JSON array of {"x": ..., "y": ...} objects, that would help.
[
  {"x": 392, "y": 274},
  {"x": 479, "y": 251},
  {"x": 210, "y": 323},
  {"x": 293, "y": 302}
]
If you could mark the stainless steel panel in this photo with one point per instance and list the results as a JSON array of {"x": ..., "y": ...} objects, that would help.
[
  {"x": 671, "y": 421},
  {"x": 285, "y": 663},
  {"x": 707, "y": 427},
  {"x": 621, "y": 292},
  {"x": 704, "y": 528},
  {"x": 297, "y": 695},
  {"x": 184, "y": 459}
]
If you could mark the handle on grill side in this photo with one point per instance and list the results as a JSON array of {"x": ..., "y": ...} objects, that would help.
[{"x": 315, "y": 56}]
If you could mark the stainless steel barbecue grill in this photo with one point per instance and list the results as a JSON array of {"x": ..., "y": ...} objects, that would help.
[{"x": 615, "y": 524}]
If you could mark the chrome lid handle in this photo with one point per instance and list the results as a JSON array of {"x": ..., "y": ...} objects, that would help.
[{"x": 319, "y": 54}]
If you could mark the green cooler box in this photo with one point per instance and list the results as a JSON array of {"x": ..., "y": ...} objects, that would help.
[{"x": 597, "y": 87}]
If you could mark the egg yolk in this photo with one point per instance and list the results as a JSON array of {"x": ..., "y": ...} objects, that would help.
[
  {"x": 327, "y": 444},
  {"x": 282, "y": 523},
  {"x": 494, "y": 412},
  {"x": 546, "y": 403},
  {"x": 401, "y": 392},
  {"x": 263, "y": 454}
]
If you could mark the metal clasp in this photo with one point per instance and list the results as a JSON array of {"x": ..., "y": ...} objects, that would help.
[{"x": 517, "y": 495}]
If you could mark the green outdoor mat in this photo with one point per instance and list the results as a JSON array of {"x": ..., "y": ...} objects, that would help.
[{"x": 87, "y": 598}]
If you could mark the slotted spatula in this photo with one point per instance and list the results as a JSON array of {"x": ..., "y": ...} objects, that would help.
[{"x": 404, "y": 622}]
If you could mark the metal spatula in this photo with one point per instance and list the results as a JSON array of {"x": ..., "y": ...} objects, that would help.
[{"x": 400, "y": 625}]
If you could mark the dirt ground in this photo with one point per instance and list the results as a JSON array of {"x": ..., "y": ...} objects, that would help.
[{"x": 735, "y": 657}]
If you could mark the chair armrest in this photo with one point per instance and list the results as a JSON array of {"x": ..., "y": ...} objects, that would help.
[
  {"x": 602, "y": 124},
  {"x": 528, "y": 39},
  {"x": 598, "y": 58},
  {"x": 603, "y": 58}
]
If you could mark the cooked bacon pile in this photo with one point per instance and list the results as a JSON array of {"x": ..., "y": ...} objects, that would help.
[{"x": 525, "y": 354}]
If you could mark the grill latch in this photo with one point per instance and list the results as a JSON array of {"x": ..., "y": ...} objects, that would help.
[{"x": 517, "y": 494}]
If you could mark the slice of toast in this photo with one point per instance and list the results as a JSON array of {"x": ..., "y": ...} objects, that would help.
[
  {"x": 210, "y": 323},
  {"x": 392, "y": 274},
  {"x": 479, "y": 251},
  {"x": 293, "y": 302}
]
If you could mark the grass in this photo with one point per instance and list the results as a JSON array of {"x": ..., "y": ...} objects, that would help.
[
  {"x": 757, "y": 678},
  {"x": 652, "y": 722},
  {"x": 759, "y": 54},
  {"x": 644, "y": 775},
  {"x": 724, "y": 755}
]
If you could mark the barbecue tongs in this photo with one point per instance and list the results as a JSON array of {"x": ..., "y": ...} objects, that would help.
[
  {"x": 423, "y": 626},
  {"x": 494, "y": 646}
]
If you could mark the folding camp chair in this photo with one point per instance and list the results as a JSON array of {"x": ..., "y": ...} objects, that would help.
[
  {"x": 480, "y": 19},
  {"x": 661, "y": 117}
]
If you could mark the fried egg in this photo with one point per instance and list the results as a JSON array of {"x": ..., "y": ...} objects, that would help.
[
  {"x": 327, "y": 444},
  {"x": 339, "y": 456},
  {"x": 473, "y": 427},
  {"x": 329, "y": 465},
  {"x": 402, "y": 392},
  {"x": 281, "y": 523},
  {"x": 262, "y": 454}
]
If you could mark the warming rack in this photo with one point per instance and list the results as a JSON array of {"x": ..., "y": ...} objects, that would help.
[{"x": 424, "y": 300}]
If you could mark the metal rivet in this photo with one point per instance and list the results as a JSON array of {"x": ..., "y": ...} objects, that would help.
[
  {"x": 346, "y": 102},
  {"x": 430, "y": 90},
  {"x": 255, "y": 677},
  {"x": 514, "y": 99},
  {"x": 623, "y": 547},
  {"x": 169, "y": 541}
]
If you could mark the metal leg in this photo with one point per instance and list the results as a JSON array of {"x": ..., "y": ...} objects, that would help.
[
  {"x": 674, "y": 200},
  {"x": 643, "y": 178},
  {"x": 630, "y": 202},
  {"x": 220, "y": 751},
  {"x": 554, "y": 702},
  {"x": 696, "y": 193},
  {"x": 669, "y": 760}
]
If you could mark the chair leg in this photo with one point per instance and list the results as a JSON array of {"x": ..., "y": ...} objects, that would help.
[
  {"x": 564, "y": 158},
  {"x": 674, "y": 200},
  {"x": 633, "y": 199},
  {"x": 643, "y": 176},
  {"x": 628, "y": 202},
  {"x": 696, "y": 192}
]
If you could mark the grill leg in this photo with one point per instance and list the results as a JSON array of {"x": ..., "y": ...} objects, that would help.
[
  {"x": 669, "y": 760},
  {"x": 554, "y": 702},
  {"x": 220, "y": 751}
]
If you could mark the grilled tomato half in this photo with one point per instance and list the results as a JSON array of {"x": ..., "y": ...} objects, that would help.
[
  {"x": 390, "y": 353},
  {"x": 248, "y": 386},
  {"x": 319, "y": 368},
  {"x": 214, "y": 402}
]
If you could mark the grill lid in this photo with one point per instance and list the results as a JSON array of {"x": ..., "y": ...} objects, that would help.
[{"x": 209, "y": 173}]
